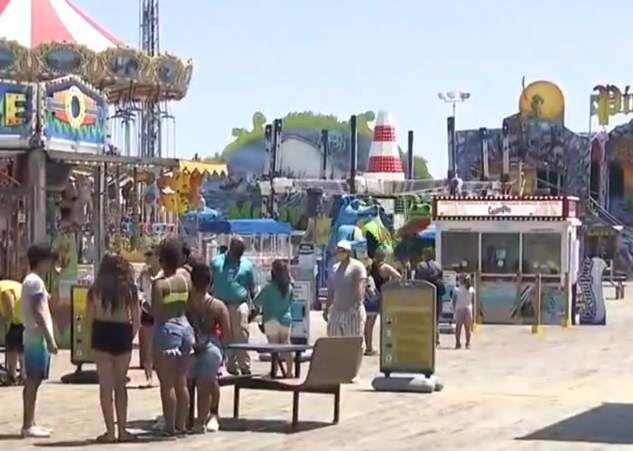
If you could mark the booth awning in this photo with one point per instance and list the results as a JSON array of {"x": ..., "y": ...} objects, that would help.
[
  {"x": 88, "y": 158},
  {"x": 202, "y": 167},
  {"x": 246, "y": 227}
]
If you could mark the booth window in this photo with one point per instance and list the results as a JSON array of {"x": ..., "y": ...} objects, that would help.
[
  {"x": 460, "y": 251},
  {"x": 500, "y": 253},
  {"x": 541, "y": 253}
]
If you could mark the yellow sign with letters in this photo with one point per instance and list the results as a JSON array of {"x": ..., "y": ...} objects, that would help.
[
  {"x": 80, "y": 345},
  {"x": 608, "y": 101}
]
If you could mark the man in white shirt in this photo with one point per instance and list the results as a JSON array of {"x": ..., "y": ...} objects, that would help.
[{"x": 39, "y": 339}]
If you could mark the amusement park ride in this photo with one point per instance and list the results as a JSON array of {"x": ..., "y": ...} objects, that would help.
[
  {"x": 71, "y": 169},
  {"x": 78, "y": 171}
]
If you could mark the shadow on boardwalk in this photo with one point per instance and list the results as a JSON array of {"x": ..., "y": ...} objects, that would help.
[{"x": 609, "y": 423}]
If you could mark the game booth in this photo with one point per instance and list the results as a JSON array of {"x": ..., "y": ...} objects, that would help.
[
  {"x": 510, "y": 244},
  {"x": 266, "y": 240}
]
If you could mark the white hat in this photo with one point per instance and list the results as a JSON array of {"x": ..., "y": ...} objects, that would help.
[{"x": 345, "y": 245}]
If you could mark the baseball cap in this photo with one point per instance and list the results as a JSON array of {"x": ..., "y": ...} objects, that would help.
[{"x": 344, "y": 245}]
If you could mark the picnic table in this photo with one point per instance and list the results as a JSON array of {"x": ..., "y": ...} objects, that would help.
[{"x": 275, "y": 350}]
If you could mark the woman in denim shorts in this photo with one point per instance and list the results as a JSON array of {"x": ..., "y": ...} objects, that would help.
[{"x": 173, "y": 337}]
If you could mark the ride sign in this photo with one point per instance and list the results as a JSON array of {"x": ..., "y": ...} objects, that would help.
[
  {"x": 610, "y": 101},
  {"x": 16, "y": 112},
  {"x": 408, "y": 328},
  {"x": 500, "y": 208}
]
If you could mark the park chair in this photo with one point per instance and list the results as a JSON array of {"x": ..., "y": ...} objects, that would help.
[{"x": 335, "y": 361}]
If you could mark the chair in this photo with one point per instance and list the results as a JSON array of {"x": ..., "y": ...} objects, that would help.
[{"x": 335, "y": 361}]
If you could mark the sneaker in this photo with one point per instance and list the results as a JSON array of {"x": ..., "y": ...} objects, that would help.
[
  {"x": 356, "y": 380},
  {"x": 159, "y": 423},
  {"x": 213, "y": 425},
  {"x": 35, "y": 432}
]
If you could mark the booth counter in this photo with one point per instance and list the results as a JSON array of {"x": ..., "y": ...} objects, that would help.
[{"x": 508, "y": 242}]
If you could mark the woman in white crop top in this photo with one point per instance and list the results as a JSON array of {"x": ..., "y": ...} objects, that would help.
[
  {"x": 463, "y": 310},
  {"x": 150, "y": 272}
]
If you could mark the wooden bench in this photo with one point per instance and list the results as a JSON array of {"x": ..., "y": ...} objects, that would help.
[{"x": 335, "y": 361}]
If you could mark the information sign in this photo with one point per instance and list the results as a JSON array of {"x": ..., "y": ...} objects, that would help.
[
  {"x": 300, "y": 310},
  {"x": 80, "y": 346},
  {"x": 303, "y": 272},
  {"x": 408, "y": 328}
]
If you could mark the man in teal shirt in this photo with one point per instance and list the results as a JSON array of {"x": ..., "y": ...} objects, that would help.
[{"x": 234, "y": 284}]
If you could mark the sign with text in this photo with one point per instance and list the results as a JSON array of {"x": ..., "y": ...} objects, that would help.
[
  {"x": 302, "y": 270},
  {"x": 500, "y": 208},
  {"x": 16, "y": 112},
  {"x": 408, "y": 328},
  {"x": 81, "y": 331},
  {"x": 300, "y": 311},
  {"x": 608, "y": 101}
]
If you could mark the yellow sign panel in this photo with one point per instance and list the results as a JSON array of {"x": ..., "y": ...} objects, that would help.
[
  {"x": 15, "y": 110},
  {"x": 80, "y": 345},
  {"x": 408, "y": 328},
  {"x": 608, "y": 101}
]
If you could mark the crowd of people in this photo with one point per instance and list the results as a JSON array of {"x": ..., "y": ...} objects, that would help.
[{"x": 184, "y": 312}]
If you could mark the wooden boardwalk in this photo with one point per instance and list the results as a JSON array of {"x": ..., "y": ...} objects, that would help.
[{"x": 562, "y": 389}]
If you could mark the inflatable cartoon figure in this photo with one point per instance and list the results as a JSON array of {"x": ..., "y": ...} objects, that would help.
[
  {"x": 408, "y": 246},
  {"x": 348, "y": 214}
]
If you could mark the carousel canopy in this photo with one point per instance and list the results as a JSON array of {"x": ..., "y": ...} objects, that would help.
[
  {"x": 43, "y": 40},
  {"x": 34, "y": 22}
]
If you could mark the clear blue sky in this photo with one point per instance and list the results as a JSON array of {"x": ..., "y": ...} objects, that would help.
[{"x": 347, "y": 56}]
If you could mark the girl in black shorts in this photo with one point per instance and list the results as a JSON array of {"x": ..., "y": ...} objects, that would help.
[{"x": 114, "y": 315}]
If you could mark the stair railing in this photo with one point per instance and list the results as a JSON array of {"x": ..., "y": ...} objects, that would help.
[{"x": 594, "y": 206}]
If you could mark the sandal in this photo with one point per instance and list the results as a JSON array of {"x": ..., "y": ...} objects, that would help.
[
  {"x": 127, "y": 437},
  {"x": 106, "y": 438},
  {"x": 167, "y": 433}
]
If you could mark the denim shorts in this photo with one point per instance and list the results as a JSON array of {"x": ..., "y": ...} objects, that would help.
[
  {"x": 208, "y": 360},
  {"x": 173, "y": 337}
]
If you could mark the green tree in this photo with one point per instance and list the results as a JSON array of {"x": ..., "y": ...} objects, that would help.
[
  {"x": 420, "y": 168},
  {"x": 216, "y": 158}
]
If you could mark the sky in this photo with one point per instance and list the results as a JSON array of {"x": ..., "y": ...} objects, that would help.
[{"x": 348, "y": 56}]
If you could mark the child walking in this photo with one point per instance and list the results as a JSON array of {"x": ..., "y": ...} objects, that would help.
[
  {"x": 463, "y": 310},
  {"x": 275, "y": 300}
]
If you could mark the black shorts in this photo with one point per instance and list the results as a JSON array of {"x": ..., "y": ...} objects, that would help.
[
  {"x": 112, "y": 337},
  {"x": 13, "y": 338}
]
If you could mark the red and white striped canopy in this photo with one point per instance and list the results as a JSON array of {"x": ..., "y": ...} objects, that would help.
[{"x": 33, "y": 22}]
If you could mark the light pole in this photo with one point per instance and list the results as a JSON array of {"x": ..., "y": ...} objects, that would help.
[{"x": 453, "y": 98}]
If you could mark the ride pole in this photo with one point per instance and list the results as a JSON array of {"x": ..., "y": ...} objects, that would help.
[
  {"x": 536, "y": 326},
  {"x": 476, "y": 281},
  {"x": 567, "y": 292}
]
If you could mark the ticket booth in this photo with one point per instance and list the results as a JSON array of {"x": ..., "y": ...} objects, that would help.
[{"x": 506, "y": 243}]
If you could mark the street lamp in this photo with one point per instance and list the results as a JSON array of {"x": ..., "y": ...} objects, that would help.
[{"x": 452, "y": 97}]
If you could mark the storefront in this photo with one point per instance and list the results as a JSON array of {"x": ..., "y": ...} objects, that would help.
[{"x": 506, "y": 242}]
